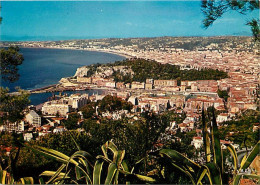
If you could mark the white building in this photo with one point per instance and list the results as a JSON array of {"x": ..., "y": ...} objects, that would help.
[
  {"x": 222, "y": 117},
  {"x": 77, "y": 100},
  {"x": 65, "y": 104},
  {"x": 10, "y": 127},
  {"x": 197, "y": 142},
  {"x": 59, "y": 129},
  {"x": 33, "y": 118},
  {"x": 27, "y": 136},
  {"x": 54, "y": 107}
]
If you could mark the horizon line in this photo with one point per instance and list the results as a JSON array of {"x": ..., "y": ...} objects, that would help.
[{"x": 99, "y": 38}]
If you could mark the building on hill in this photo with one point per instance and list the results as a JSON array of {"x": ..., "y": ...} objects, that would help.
[
  {"x": 13, "y": 127},
  {"x": 197, "y": 142},
  {"x": 33, "y": 118},
  {"x": 165, "y": 83},
  {"x": 56, "y": 107},
  {"x": 87, "y": 80},
  {"x": 137, "y": 85}
]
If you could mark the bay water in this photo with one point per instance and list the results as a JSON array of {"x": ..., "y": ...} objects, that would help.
[{"x": 42, "y": 67}]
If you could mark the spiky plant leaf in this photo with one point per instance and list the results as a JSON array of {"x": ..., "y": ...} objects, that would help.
[
  {"x": 217, "y": 151},
  {"x": 214, "y": 173},
  {"x": 181, "y": 162},
  {"x": 3, "y": 174},
  {"x": 145, "y": 178},
  {"x": 251, "y": 156},
  {"x": 112, "y": 168},
  {"x": 206, "y": 141},
  {"x": 246, "y": 162},
  {"x": 55, "y": 174},
  {"x": 125, "y": 168},
  {"x": 41, "y": 181},
  {"x": 26, "y": 180},
  {"x": 97, "y": 171},
  {"x": 202, "y": 172},
  {"x": 58, "y": 156},
  {"x": 234, "y": 155},
  {"x": 118, "y": 157}
]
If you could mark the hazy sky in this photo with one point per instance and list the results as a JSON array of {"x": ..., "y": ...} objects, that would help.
[{"x": 54, "y": 20}]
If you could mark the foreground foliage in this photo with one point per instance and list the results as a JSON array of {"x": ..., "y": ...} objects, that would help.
[
  {"x": 10, "y": 59},
  {"x": 161, "y": 166},
  {"x": 212, "y": 171},
  {"x": 12, "y": 106}
]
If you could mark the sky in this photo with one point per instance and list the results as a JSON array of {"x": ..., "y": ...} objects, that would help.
[{"x": 60, "y": 20}]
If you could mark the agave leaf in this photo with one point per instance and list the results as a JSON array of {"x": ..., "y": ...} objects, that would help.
[
  {"x": 234, "y": 155},
  {"x": 181, "y": 162},
  {"x": 203, "y": 171},
  {"x": 125, "y": 168},
  {"x": 41, "y": 181},
  {"x": 83, "y": 154},
  {"x": 217, "y": 151},
  {"x": 118, "y": 157},
  {"x": 152, "y": 172},
  {"x": 112, "y": 146},
  {"x": 188, "y": 173},
  {"x": 84, "y": 163},
  {"x": 243, "y": 160},
  {"x": 104, "y": 158},
  {"x": 97, "y": 171},
  {"x": 206, "y": 141},
  {"x": 112, "y": 168},
  {"x": 116, "y": 177},
  {"x": 138, "y": 176},
  {"x": 58, "y": 154},
  {"x": 86, "y": 174},
  {"x": 251, "y": 156},
  {"x": 104, "y": 149},
  {"x": 78, "y": 173},
  {"x": 214, "y": 173},
  {"x": 47, "y": 154},
  {"x": 3, "y": 175},
  {"x": 145, "y": 178},
  {"x": 85, "y": 159},
  {"x": 27, "y": 180},
  {"x": 60, "y": 180},
  {"x": 246, "y": 161},
  {"x": 52, "y": 154},
  {"x": 55, "y": 174}
]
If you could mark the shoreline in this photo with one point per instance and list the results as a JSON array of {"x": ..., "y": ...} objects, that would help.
[{"x": 95, "y": 50}]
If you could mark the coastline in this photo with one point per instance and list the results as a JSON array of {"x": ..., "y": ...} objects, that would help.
[
  {"x": 95, "y": 50},
  {"x": 55, "y": 87}
]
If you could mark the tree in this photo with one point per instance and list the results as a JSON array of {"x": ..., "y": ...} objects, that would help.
[
  {"x": 213, "y": 10},
  {"x": 71, "y": 122},
  {"x": 12, "y": 106},
  {"x": 223, "y": 94},
  {"x": 9, "y": 62}
]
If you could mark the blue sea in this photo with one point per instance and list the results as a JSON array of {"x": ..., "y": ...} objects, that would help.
[{"x": 42, "y": 67}]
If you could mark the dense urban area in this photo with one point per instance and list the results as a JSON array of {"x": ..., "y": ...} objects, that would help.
[{"x": 151, "y": 100}]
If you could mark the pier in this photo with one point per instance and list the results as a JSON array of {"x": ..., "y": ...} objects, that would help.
[{"x": 57, "y": 88}]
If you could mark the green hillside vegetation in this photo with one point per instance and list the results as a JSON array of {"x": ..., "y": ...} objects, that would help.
[
  {"x": 236, "y": 130},
  {"x": 145, "y": 69}
]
